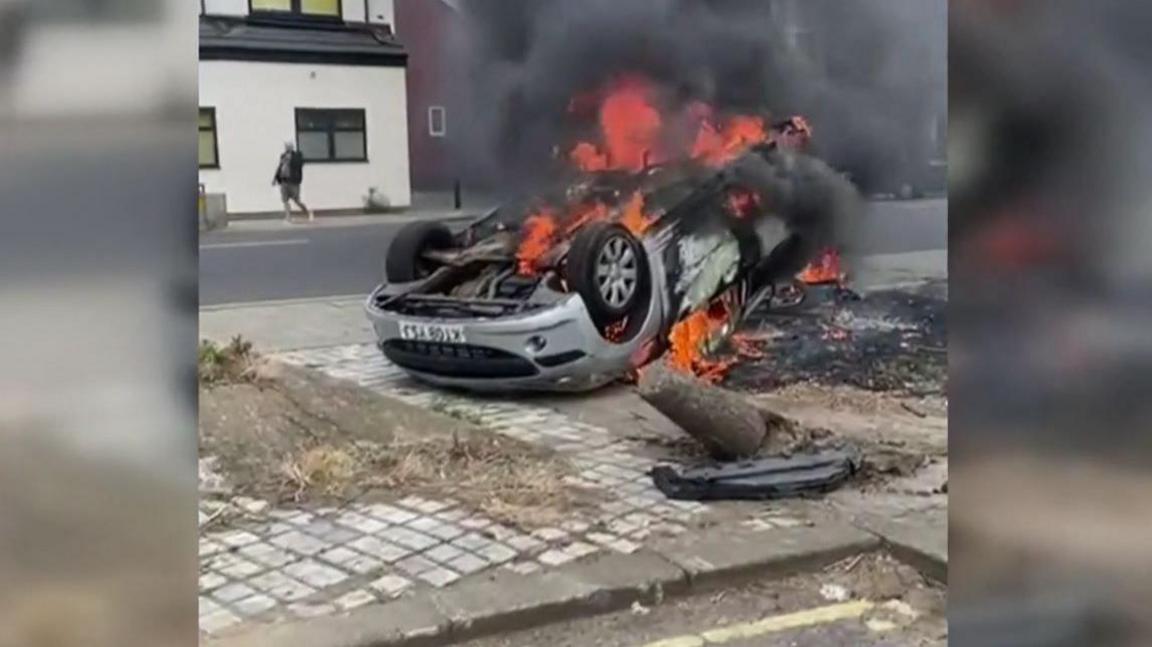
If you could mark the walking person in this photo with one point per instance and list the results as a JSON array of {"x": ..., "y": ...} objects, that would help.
[{"x": 289, "y": 175}]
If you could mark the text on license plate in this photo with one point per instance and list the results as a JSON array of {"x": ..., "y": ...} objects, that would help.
[{"x": 432, "y": 332}]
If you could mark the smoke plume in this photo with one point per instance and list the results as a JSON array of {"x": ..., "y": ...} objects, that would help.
[{"x": 869, "y": 74}]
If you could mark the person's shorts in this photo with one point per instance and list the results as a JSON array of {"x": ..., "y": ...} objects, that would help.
[{"x": 289, "y": 192}]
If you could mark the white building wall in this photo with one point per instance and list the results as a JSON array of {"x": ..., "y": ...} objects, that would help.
[
  {"x": 381, "y": 11},
  {"x": 255, "y": 114},
  {"x": 226, "y": 7}
]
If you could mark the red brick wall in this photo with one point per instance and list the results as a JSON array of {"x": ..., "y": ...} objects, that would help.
[{"x": 422, "y": 26}]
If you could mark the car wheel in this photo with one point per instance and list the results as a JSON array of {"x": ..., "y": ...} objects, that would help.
[
  {"x": 405, "y": 261},
  {"x": 608, "y": 267}
]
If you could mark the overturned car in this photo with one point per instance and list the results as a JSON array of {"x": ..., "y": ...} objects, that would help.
[{"x": 573, "y": 289}]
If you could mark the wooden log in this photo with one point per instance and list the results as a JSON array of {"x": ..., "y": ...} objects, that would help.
[{"x": 728, "y": 425}]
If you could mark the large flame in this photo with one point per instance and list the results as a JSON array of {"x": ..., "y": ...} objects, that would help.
[
  {"x": 689, "y": 337},
  {"x": 718, "y": 144},
  {"x": 537, "y": 238},
  {"x": 633, "y": 130},
  {"x": 825, "y": 269}
]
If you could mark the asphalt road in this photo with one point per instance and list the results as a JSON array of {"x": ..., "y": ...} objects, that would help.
[
  {"x": 782, "y": 613},
  {"x": 303, "y": 261}
]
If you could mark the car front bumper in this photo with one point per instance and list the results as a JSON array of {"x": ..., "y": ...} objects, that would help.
[{"x": 554, "y": 348}]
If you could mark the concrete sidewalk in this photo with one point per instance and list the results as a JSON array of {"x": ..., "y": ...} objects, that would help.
[{"x": 321, "y": 222}]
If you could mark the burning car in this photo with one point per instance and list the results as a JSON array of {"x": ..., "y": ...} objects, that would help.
[{"x": 632, "y": 256}]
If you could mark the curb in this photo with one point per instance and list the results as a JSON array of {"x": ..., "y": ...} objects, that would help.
[
  {"x": 923, "y": 548},
  {"x": 505, "y": 601}
]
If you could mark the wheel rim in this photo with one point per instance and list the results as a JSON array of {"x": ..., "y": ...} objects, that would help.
[{"x": 617, "y": 272}]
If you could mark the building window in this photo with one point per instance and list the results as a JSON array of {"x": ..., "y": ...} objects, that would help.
[
  {"x": 329, "y": 8},
  {"x": 331, "y": 135},
  {"x": 209, "y": 151},
  {"x": 437, "y": 121}
]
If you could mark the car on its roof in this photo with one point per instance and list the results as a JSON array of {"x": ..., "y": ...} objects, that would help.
[{"x": 473, "y": 309}]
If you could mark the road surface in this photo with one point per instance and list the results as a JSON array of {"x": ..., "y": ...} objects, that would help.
[{"x": 305, "y": 261}]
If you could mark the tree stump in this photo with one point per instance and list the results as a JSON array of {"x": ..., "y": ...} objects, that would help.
[{"x": 728, "y": 425}]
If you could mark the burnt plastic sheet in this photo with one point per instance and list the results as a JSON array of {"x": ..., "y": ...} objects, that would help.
[{"x": 775, "y": 477}]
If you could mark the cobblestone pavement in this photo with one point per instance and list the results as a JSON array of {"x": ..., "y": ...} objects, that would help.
[{"x": 273, "y": 564}]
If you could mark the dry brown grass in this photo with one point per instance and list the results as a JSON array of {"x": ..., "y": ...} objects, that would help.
[
  {"x": 507, "y": 480},
  {"x": 229, "y": 364}
]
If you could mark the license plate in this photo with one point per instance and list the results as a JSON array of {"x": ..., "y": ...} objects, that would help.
[{"x": 438, "y": 333}]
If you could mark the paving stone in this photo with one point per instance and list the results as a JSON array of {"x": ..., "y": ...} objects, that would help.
[
  {"x": 467, "y": 564},
  {"x": 439, "y": 576},
  {"x": 207, "y": 605},
  {"x": 299, "y": 542},
  {"x": 218, "y": 620},
  {"x": 363, "y": 565},
  {"x": 623, "y": 546},
  {"x": 574, "y": 526},
  {"x": 390, "y": 514},
  {"x": 354, "y": 600},
  {"x": 425, "y": 524},
  {"x": 615, "y": 507},
  {"x": 555, "y": 557},
  {"x": 282, "y": 587},
  {"x": 550, "y": 534},
  {"x": 526, "y": 544},
  {"x": 267, "y": 554},
  {"x": 339, "y": 555},
  {"x": 232, "y": 592},
  {"x": 250, "y": 505},
  {"x": 379, "y": 549},
  {"x": 362, "y": 523},
  {"x": 475, "y": 523},
  {"x": 314, "y": 573},
  {"x": 497, "y": 553},
  {"x": 415, "y": 565},
  {"x": 523, "y": 568},
  {"x": 500, "y": 532},
  {"x": 209, "y": 548},
  {"x": 294, "y": 517},
  {"x": 254, "y": 605},
  {"x": 472, "y": 542},
  {"x": 443, "y": 553},
  {"x": 447, "y": 531},
  {"x": 209, "y": 581},
  {"x": 236, "y": 538},
  {"x": 452, "y": 516},
  {"x": 391, "y": 585},
  {"x": 580, "y": 549},
  {"x": 233, "y": 566},
  {"x": 409, "y": 538}
]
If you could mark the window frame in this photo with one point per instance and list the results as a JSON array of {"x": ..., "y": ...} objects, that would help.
[
  {"x": 211, "y": 111},
  {"x": 331, "y": 132},
  {"x": 295, "y": 11},
  {"x": 443, "y": 132}
]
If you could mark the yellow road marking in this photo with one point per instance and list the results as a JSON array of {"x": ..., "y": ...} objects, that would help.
[{"x": 774, "y": 624}]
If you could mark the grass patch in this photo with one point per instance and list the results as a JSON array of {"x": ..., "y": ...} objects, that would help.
[
  {"x": 504, "y": 478},
  {"x": 229, "y": 364}
]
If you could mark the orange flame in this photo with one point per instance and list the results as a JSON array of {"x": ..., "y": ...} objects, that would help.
[
  {"x": 587, "y": 158},
  {"x": 687, "y": 339},
  {"x": 584, "y": 214},
  {"x": 539, "y": 230},
  {"x": 825, "y": 269},
  {"x": 633, "y": 218},
  {"x": 718, "y": 145},
  {"x": 631, "y": 124}
]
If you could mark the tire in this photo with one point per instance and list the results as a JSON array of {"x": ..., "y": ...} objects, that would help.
[
  {"x": 405, "y": 262},
  {"x": 608, "y": 267}
]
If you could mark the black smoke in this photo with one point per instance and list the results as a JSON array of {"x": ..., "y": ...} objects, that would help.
[{"x": 868, "y": 73}]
